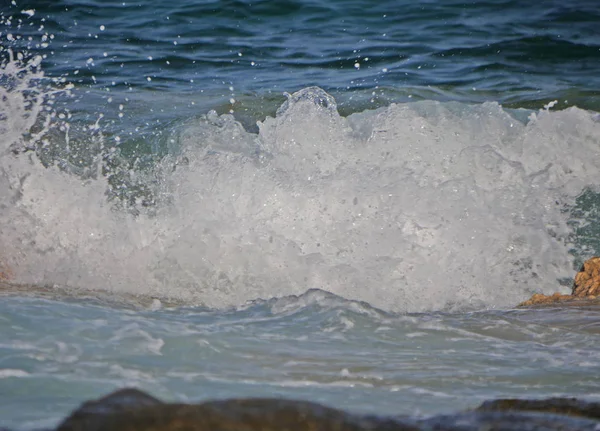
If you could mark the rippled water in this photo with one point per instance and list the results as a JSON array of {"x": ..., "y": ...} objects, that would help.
[
  {"x": 501, "y": 50},
  {"x": 345, "y": 200},
  {"x": 315, "y": 347}
]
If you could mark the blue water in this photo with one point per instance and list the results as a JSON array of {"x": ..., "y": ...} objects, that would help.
[
  {"x": 335, "y": 201},
  {"x": 507, "y": 51},
  {"x": 317, "y": 347}
]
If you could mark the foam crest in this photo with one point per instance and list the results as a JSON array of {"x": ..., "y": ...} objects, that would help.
[
  {"x": 411, "y": 207},
  {"x": 22, "y": 100}
]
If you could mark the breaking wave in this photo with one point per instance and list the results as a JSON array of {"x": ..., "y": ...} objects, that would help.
[{"x": 410, "y": 207}]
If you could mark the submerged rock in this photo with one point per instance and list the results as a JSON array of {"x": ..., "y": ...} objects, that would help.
[
  {"x": 133, "y": 410},
  {"x": 586, "y": 288}
]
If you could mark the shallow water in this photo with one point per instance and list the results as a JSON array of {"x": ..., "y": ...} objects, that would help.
[
  {"x": 359, "y": 240},
  {"x": 315, "y": 347}
]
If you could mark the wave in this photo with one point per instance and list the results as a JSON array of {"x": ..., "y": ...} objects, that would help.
[{"x": 409, "y": 207}]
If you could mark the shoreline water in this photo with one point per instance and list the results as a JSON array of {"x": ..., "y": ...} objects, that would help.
[
  {"x": 585, "y": 293},
  {"x": 373, "y": 361},
  {"x": 119, "y": 299}
]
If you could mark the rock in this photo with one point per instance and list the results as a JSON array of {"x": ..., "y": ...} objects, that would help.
[
  {"x": 587, "y": 280},
  {"x": 5, "y": 273},
  {"x": 563, "y": 406},
  {"x": 586, "y": 288},
  {"x": 538, "y": 298},
  {"x": 133, "y": 410},
  {"x": 492, "y": 420}
]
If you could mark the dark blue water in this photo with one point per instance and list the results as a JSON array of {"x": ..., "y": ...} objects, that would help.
[{"x": 520, "y": 54}]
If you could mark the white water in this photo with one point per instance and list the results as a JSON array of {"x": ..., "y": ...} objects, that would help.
[{"x": 411, "y": 207}]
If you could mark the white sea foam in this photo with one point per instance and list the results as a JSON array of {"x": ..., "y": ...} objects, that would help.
[
  {"x": 411, "y": 207},
  {"x": 6, "y": 373}
]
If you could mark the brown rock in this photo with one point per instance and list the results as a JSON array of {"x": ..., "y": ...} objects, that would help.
[
  {"x": 587, "y": 280},
  {"x": 586, "y": 287},
  {"x": 563, "y": 406},
  {"x": 5, "y": 273},
  {"x": 538, "y": 299},
  {"x": 133, "y": 410}
]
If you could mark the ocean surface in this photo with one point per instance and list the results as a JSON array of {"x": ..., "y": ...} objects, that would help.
[{"x": 335, "y": 201}]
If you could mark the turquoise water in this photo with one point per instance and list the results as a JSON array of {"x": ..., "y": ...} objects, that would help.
[
  {"x": 316, "y": 347},
  {"x": 344, "y": 200}
]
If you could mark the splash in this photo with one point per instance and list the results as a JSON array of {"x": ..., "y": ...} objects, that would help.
[{"x": 410, "y": 207}]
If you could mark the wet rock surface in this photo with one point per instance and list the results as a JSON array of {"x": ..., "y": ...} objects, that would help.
[
  {"x": 586, "y": 288},
  {"x": 587, "y": 280},
  {"x": 130, "y": 409},
  {"x": 133, "y": 410},
  {"x": 563, "y": 406}
]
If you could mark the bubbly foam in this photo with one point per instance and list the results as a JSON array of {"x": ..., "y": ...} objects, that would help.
[{"x": 411, "y": 207}]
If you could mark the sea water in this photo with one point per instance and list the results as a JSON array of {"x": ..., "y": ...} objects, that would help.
[{"x": 340, "y": 202}]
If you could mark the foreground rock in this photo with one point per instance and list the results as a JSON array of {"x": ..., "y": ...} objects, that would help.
[
  {"x": 133, "y": 410},
  {"x": 586, "y": 288},
  {"x": 561, "y": 406}
]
